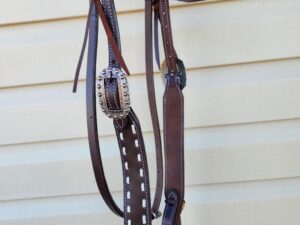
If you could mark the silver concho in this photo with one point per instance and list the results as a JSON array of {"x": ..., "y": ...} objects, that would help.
[{"x": 123, "y": 91}]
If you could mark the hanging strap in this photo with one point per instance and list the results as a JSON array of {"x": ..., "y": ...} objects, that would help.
[
  {"x": 111, "y": 41},
  {"x": 173, "y": 112},
  {"x": 92, "y": 112},
  {"x": 123, "y": 128}
]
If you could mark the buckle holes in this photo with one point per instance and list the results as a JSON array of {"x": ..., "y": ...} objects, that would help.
[
  {"x": 144, "y": 203},
  {"x": 127, "y": 180},
  {"x": 126, "y": 165},
  {"x": 142, "y": 186},
  {"x": 141, "y": 173},
  {"x": 121, "y": 136},
  {"x": 128, "y": 209},
  {"x": 139, "y": 157},
  {"x": 124, "y": 150},
  {"x": 136, "y": 142},
  {"x": 133, "y": 129},
  {"x": 128, "y": 194},
  {"x": 144, "y": 219}
]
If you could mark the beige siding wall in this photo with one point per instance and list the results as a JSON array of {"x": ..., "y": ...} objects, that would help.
[{"x": 242, "y": 112}]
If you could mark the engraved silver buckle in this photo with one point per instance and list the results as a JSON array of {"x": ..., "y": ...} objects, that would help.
[{"x": 123, "y": 92}]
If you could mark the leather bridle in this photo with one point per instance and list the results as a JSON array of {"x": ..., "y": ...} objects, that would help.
[{"x": 113, "y": 96}]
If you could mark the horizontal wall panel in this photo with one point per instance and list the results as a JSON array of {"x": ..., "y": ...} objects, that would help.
[
  {"x": 214, "y": 96},
  {"x": 263, "y": 203},
  {"x": 213, "y": 155},
  {"x": 34, "y": 10},
  {"x": 218, "y": 34}
]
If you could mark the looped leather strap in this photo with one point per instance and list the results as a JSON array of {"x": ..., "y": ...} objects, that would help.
[
  {"x": 135, "y": 208},
  {"x": 92, "y": 114}
]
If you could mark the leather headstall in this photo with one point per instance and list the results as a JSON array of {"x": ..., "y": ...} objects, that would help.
[{"x": 109, "y": 88}]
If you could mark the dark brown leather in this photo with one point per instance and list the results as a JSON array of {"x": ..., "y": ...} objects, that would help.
[
  {"x": 92, "y": 113},
  {"x": 153, "y": 108},
  {"x": 137, "y": 203},
  {"x": 173, "y": 112},
  {"x": 111, "y": 41}
]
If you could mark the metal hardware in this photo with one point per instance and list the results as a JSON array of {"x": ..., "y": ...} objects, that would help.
[
  {"x": 181, "y": 72},
  {"x": 123, "y": 92}
]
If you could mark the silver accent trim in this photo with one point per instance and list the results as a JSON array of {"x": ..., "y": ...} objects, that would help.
[{"x": 123, "y": 91}]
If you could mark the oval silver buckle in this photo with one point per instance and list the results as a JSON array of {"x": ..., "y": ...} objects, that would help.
[{"x": 123, "y": 92}]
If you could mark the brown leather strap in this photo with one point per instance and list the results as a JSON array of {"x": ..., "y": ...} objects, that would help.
[
  {"x": 164, "y": 15},
  {"x": 173, "y": 125},
  {"x": 137, "y": 203},
  {"x": 111, "y": 41},
  {"x": 110, "y": 36},
  {"x": 174, "y": 149},
  {"x": 134, "y": 161},
  {"x": 173, "y": 113},
  {"x": 82, "y": 48},
  {"x": 92, "y": 114},
  {"x": 153, "y": 108}
]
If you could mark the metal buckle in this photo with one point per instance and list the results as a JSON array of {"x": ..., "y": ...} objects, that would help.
[
  {"x": 170, "y": 208},
  {"x": 122, "y": 93},
  {"x": 181, "y": 72}
]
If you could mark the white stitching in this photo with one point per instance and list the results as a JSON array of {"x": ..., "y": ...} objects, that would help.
[
  {"x": 136, "y": 142},
  {"x": 145, "y": 177},
  {"x": 126, "y": 221},
  {"x": 141, "y": 173},
  {"x": 142, "y": 187},
  {"x": 124, "y": 150}
]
